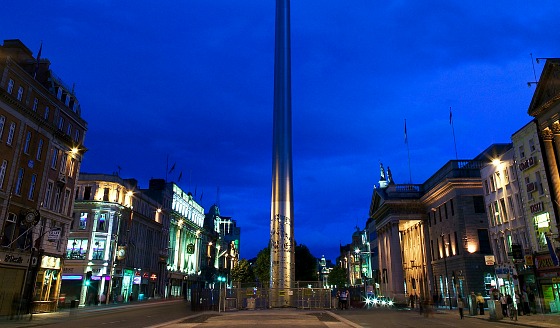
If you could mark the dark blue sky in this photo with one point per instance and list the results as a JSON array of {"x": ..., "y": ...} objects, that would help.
[{"x": 193, "y": 80}]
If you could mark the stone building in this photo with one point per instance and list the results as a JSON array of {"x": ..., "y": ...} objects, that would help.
[
  {"x": 41, "y": 148},
  {"x": 433, "y": 237}
]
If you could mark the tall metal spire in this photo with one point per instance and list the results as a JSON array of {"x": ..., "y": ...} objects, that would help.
[{"x": 282, "y": 263}]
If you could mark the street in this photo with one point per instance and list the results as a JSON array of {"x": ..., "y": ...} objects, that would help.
[{"x": 177, "y": 314}]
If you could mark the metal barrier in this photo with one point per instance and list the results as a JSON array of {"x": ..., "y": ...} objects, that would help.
[{"x": 252, "y": 298}]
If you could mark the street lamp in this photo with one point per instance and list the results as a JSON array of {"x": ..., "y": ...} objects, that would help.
[{"x": 445, "y": 264}]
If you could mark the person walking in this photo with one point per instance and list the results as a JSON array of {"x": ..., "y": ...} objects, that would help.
[
  {"x": 412, "y": 300},
  {"x": 480, "y": 302},
  {"x": 503, "y": 303},
  {"x": 525, "y": 299},
  {"x": 460, "y": 306}
]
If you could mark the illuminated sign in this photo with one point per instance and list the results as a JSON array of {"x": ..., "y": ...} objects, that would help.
[{"x": 137, "y": 280}]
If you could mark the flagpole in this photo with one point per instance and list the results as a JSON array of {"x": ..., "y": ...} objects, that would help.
[
  {"x": 408, "y": 150},
  {"x": 453, "y": 130}
]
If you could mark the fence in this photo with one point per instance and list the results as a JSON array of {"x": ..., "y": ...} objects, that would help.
[{"x": 251, "y": 298}]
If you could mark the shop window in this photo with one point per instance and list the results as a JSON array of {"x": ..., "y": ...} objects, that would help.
[
  {"x": 76, "y": 249},
  {"x": 98, "y": 249}
]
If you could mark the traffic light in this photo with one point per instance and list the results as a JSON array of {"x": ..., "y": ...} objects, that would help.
[{"x": 88, "y": 278}]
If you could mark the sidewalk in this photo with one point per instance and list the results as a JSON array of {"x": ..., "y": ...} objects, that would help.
[
  {"x": 40, "y": 319},
  {"x": 539, "y": 320}
]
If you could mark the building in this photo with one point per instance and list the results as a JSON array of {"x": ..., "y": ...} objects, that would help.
[
  {"x": 542, "y": 213},
  {"x": 41, "y": 148},
  {"x": 433, "y": 237},
  {"x": 506, "y": 219},
  {"x": 223, "y": 253},
  {"x": 187, "y": 240},
  {"x": 115, "y": 241}
]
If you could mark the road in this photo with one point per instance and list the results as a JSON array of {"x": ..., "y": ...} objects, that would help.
[{"x": 177, "y": 314}]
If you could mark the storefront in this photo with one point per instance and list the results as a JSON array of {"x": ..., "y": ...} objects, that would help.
[
  {"x": 13, "y": 270},
  {"x": 548, "y": 279},
  {"x": 47, "y": 285}
]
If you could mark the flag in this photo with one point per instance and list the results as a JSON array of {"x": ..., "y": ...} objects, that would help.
[
  {"x": 180, "y": 176},
  {"x": 201, "y": 194},
  {"x": 172, "y": 168},
  {"x": 552, "y": 252},
  {"x": 405, "y": 134},
  {"x": 450, "y": 116},
  {"x": 38, "y": 59}
]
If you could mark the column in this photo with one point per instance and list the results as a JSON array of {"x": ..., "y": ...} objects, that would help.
[
  {"x": 548, "y": 136},
  {"x": 396, "y": 273}
]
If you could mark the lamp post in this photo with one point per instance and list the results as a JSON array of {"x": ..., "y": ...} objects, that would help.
[{"x": 445, "y": 264}]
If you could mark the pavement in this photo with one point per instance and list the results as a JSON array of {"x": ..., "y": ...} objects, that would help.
[{"x": 269, "y": 318}]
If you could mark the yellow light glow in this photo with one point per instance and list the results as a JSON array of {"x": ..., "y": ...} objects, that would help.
[
  {"x": 74, "y": 150},
  {"x": 471, "y": 248}
]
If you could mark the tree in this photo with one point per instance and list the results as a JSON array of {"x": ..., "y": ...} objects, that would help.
[
  {"x": 306, "y": 264},
  {"x": 262, "y": 266},
  {"x": 242, "y": 272},
  {"x": 337, "y": 277}
]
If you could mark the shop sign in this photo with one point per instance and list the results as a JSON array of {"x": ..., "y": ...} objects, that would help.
[
  {"x": 489, "y": 259},
  {"x": 54, "y": 234},
  {"x": 137, "y": 280},
  {"x": 14, "y": 259},
  {"x": 153, "y": 277},
  {"x": 538, "y": 207},
  {"x": 544, "y": 262},
  {"x": 49, "y": 262},
  {"x": 529, "y": 162},
  {"x": 145, "y": 275},
  {"x": 529, "y": 260}
]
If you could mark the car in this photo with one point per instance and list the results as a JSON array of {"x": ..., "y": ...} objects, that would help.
[{"x": 383, "y": 301}]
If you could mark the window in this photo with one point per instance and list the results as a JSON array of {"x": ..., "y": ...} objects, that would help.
[
  {"x": 497, "y": 213},
  {"x": 20, "y": 93},
  {"x": 11, "y": 133},
  {"x": 59, "y": 93},
  {"x": 76, "y": 249},
  {"x": 538, "y": 181},
  {"x": 98, "y": 249},
  {"x": 102, "y": 223},
  {"x": 35, "y": 104},
  {"x": 3, "y": 172},
  {"x": 61, "y": 123},
  {"x": 71, "y": 167},
  {"x": 57, "y": 199},
  {"x": 506, "y": 175},
  {"x": 2, "y": 122},
  {"x": 439, "y": 213},
  {"x": 12, "y": 231},
  {"x": 39, "y": 149},
  {"x": 77, "y": 136},
  {"x": 521, "y": 151},
  {"x": 486, "y": 189},
  {"x": 32, "y": 187},
  {"x": 492, "y": 184},
  {"x": 532, "y": 145},
  {"x": 445, "y": 207},
  {"x": 452, "y": 207},
  {"x": 46, "y": 115},
  {"x": 491, "y": 216},
  {"x": 48, "y": 194},
  {"x": 478, "y": 202},
  {"x": 67, "y": 100},
  {"x": 504, "y": 209},
  {"x": 83, "y": 221},
  {"x": 87, "y": 192},
  {"x": 106, "y": 194},
  {"x": 10, "y": 86},
  {"x": 63, "y": 164},
  {"x": 69, "y": 129},
  {"x": 484, "y": 241},
  {"x": 66, "y": 201},
  {"x": 27, "y": 142},
  {"x": 77, "y": 193},
  {"x": 54, "y": 159},
  {"x": 19, "y": 182}
]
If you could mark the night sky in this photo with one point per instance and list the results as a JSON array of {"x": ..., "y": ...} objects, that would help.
[{"x": 190, "y": 83}]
